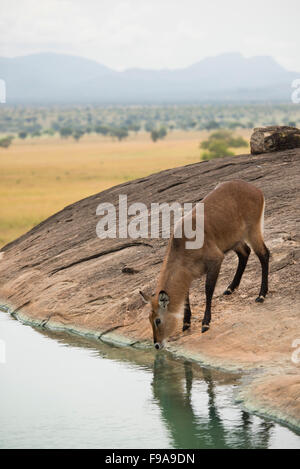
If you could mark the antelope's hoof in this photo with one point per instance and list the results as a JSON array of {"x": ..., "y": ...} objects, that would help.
[
  {"x": 260, "y": 299},
  {"x": 185, "y": 326},
  {"x": 205, "y": 328},
  {"x": 228, "y": 291}
]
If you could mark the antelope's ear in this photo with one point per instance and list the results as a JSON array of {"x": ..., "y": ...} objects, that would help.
[
  {"x": 145, "y": 297},
  {"x": 163, "y": 300}
]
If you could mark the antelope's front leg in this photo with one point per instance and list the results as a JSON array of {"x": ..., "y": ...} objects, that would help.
[
  {"x": 213, "y": 269},
  {"x": 187, "y": 314}
]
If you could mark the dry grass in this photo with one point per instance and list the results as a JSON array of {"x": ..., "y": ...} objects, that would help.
[{"x": 40, "y": 176}]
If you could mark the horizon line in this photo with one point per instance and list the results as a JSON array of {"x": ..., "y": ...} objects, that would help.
[{"x": 233, "y": 53}]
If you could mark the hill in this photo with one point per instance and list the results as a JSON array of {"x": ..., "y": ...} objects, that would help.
[{"x": 53, "y": 78}]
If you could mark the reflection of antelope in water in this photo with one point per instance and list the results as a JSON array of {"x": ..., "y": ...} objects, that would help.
[
  {"x": 233, "y": 214},
  {"x": 172, "y": 390}
]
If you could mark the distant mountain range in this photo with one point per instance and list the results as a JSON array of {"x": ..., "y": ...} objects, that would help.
[{"x": 56, "y": 78}]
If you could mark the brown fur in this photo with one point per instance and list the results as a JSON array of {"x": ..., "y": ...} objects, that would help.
[{"x": 233, "y": 214}]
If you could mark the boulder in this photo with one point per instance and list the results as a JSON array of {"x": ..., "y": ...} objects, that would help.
[
  {"x": 61, "y": 276},
  {"x": 274, "y": 138}
]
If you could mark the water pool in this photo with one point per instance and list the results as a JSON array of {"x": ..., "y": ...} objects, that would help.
[{"x": 58, "y": 390}]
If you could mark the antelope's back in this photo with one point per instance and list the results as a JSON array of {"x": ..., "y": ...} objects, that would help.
[{"x": 231, "y": 210}]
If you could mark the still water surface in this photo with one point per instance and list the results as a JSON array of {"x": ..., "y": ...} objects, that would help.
[{"x": 62, "y": 391}]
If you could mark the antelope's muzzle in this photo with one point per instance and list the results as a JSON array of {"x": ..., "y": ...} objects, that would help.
[{"x": 158, "y": 345}]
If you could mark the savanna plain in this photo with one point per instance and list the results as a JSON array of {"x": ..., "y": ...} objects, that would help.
[{"x": 40, "y": 176}]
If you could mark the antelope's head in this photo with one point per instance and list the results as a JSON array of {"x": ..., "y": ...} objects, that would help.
[{"x": 161, "y": 319}]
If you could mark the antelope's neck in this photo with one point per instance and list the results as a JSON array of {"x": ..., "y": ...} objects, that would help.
[{"x": 175, "y": 280}]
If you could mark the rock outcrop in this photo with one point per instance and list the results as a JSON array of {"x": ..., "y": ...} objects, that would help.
[
  {"x": 61, "y": 275},
  {"x": 274, "y": 138}
]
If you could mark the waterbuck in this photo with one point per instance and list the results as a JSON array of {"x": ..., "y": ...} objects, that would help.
[{"x": 233, "y": 216}]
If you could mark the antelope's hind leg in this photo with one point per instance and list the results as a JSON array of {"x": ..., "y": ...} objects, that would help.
[
  {"x": 263, "y": 254},
  {"x": 243, "y": 252},
  {"x": 187, "y": 314}
]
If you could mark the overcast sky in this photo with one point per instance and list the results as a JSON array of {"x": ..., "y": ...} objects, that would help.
[{"x": 152, "y": 33}]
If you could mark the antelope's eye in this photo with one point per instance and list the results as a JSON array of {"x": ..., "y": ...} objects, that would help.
[{"x": 157, "y": 321}]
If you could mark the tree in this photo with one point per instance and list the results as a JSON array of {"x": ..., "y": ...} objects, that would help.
[
  {"x": 135, "y": 127},
  {"x": 149, "y": 126},
  {"x": 102, "y": 129},
  {"x": 237, "y": 142},
  {"x": 77, "y": 134},
  {"x": 36, "y": 133},
  {"x": 216, "y": 150},
  {"x": 120, "y": 133},
  {"x": 162, "y": 132},
  {"x": 22, "y": 134},
  {"x": 233, "y": 125},
  {"x": 158, "y": 134},
  {"x": 5, "y": 142},
  {"x": 50, "y": 132},
  {"x": 211, "y": 125},
  {"x": 154, "y": 135},
  {"x": 55, "y": 126},
  {"x": 65, "y": 132},
  {"x": 225, "y": 136},
  {"x": 218, "y": 144}
]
